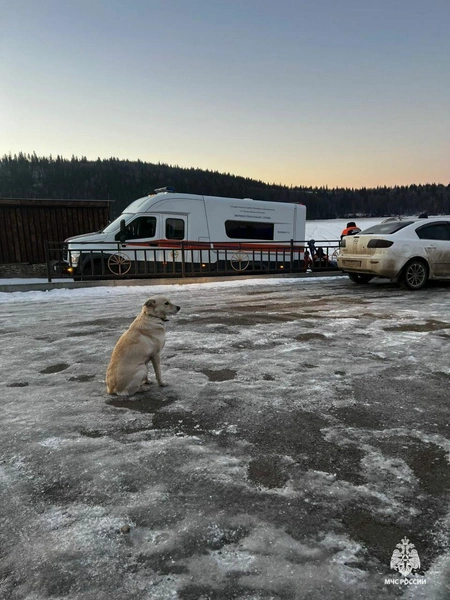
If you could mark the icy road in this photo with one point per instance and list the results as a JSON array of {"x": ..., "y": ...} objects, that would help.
[{"x": 303, "y": 436}]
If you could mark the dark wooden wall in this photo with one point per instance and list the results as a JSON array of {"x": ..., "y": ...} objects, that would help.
[{"x": 25, "y": 225}]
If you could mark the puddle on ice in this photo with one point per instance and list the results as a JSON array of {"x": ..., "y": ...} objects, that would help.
[
  {"x": 378, "y": 536},
  {"x": 267, "y": 471},
  {"x": 429, "y": 325},
  {"x": 428, "y": 462},
  {"x": 91, "y": 433},
  {"x": 307, "y": 337},
  {"x": 358, "y": 416},
  {"x": 55, "y": 368},
  {"x": 144, "y": 402},
  {"x": 219, "y": 374},
  {"x": 181, "y": 422}
]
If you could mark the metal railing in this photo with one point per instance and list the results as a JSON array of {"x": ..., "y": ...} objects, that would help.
[{"x": 186, "y": 259}]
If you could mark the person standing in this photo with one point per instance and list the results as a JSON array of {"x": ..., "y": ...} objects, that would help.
[{"x": 351, "y": 229}]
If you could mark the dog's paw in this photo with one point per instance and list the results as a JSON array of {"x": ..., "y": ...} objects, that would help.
[
  {"x": 162, "y": 384},
  {"x": 147, "y": 382}
]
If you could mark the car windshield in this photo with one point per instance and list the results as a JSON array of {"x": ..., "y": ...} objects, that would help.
[
  {"x": 386, "y": 228},
  {"x": 115, "y": 225}
]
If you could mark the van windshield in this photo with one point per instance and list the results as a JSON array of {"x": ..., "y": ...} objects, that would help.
[{"x": 115, "y": 225}]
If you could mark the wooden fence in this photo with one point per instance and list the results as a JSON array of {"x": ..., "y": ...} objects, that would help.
[{"x": 27, "y": 224}]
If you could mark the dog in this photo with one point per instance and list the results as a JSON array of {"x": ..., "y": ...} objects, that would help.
[{"x": 143, "y": 341}]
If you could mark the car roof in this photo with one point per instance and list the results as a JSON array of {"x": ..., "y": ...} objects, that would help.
[
  {"x": 397, "y": 226},
  {"x": 413, "y": 220}
]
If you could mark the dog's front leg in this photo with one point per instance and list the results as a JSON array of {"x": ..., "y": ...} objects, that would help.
[
  {"x": 156, "y": 362},
  {"x": 147, "y": 379}
]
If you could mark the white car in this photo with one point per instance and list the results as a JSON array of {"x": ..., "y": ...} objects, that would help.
[{"x": 407, "y": 250}]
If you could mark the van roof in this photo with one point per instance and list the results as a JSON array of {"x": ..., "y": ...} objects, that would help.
[{"x": 143, "y": 204}]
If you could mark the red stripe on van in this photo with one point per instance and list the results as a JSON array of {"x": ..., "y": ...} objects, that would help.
[{"x": 195, "y": 245}]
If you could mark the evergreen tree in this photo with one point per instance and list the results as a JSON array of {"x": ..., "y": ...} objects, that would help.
[{"x": 32, "y": 176}]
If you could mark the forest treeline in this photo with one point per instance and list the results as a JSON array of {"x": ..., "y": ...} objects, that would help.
[{"x": 122, "y": 181}]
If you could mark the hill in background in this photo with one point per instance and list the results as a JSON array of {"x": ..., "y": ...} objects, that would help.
[{"x": 31, "y": 176}]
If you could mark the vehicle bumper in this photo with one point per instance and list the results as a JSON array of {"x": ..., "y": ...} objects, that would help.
[
  {"x": 62, "y": 269},
  {"x": 370, "y": 266}
]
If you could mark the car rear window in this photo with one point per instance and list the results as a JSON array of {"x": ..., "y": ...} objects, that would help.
[{"x": 387, "y": 228}]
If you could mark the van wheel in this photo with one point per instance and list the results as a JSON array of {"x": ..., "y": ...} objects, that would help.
[
  {"x": 356, "y": 278},
  {"x": 415, "y": 275}
]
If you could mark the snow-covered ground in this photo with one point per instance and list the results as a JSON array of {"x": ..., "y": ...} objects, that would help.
[{"x": 304, "y": 433}]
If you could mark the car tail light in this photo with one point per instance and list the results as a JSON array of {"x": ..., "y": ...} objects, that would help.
[{"x": 379, "y": 244}]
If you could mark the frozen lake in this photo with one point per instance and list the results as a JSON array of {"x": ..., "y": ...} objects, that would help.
[{"x": 331, "y": 229}]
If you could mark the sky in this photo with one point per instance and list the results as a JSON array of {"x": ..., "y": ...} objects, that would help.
[{"x": 331, "y": 93}]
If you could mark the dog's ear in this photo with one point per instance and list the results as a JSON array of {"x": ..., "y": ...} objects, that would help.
[{"x": 151, "y": 303}]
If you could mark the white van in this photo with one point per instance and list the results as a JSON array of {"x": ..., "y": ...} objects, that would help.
[{"x": 170, "y": 232}]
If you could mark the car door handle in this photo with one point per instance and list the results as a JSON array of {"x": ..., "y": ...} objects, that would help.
[{"x": 431, "y": 247}]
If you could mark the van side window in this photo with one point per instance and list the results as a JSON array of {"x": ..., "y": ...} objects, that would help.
[
  {"x": 248, "y": 230},
  {"x": 175, "y": 229},
  {"x": 140, "y": 228}
]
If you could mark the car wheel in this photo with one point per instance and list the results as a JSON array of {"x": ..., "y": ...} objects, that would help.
[
  {"x": 414, "y": 275},
  {"x": 360, "y": 278}
]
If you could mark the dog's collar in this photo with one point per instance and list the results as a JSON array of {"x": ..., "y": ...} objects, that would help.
[{"x": 155, "y": 317}]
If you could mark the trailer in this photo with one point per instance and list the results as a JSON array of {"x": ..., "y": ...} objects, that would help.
[{"x": 169, "y": 232}]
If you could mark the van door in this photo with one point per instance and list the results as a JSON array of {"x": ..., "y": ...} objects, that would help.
[
  {"x": 140, "y": 234},
  {"x": 174, "y": 230}
]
